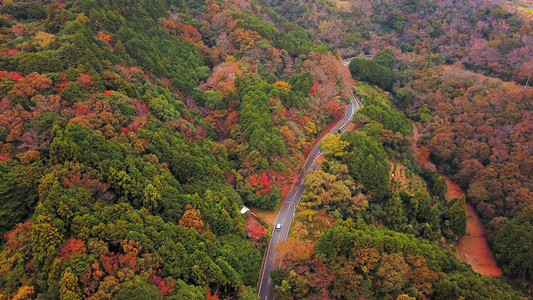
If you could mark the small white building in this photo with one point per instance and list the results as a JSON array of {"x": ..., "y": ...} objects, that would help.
[{"x": 244, "y": 210}]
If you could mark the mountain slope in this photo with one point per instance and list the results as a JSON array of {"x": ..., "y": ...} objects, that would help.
[{"x": 132, "y": 132}]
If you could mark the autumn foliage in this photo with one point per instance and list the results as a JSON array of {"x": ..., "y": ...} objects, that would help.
[
  {"x": 161, "y": 285},
  {"x": 72, "y": 246},
  {"x": 133, "y": 132}
]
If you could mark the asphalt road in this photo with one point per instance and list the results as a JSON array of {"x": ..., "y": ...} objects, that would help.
[{"x": 286, "y": 212}]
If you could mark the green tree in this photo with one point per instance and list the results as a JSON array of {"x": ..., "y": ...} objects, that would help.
[
  {"x": 248, "y": 294},
  {"x": 151, "y": 198},
  {"x": 284, "y": 292},
  {"x": 423, "y": 203},
  {"x": 185, "y": 291},
  {"x": 513, "y": 246},
  {"x": 439, "y": 188},
  {"x": 69, "y": 287},
  {"x": 214, "y": 100},
  {"x": 372, "y": 72},
  {"x": 457, "y": 216},
  {"x": 40, "y": 62},
  {"x": 18, "y": 191},
  {"x": 138, "y": 288},
  {"x": 395, "y": 215},
  {"x": 243, "y": 256},
  {"x": 368, "y": 163},
  {"x": 386, "y": 58}
]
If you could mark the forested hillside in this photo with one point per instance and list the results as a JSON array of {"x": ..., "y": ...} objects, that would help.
[
  {"x": 480, "y": 34},
  {"x": 369, "y": 226},
  {"x": 462, "y": 69},
  {"x": 132, "y": 133}
]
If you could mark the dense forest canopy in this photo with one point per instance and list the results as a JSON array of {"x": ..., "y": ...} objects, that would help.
[
  {"x": 481, "y": 34},
  {"x": 132, "y": 133},
  {"x": 369, "y": 226},
  {"x": 461, "y": 69}
]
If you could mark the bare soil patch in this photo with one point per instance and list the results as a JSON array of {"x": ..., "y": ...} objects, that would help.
[
  {"x": 266, "y": 216},
  {"x": 472, "y": 248}
]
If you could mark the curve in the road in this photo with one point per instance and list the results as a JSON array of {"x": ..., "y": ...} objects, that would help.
[
  {"x": 520, "y": 2},
  {"x": 286, "y": 212}
]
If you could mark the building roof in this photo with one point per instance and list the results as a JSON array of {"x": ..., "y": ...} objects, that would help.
[{"x": 244, "y": 210}]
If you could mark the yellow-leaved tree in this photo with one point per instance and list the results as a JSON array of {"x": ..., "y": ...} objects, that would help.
[
  {"x": 282, "y": 86},
  {"x": 333, "y": 145}
]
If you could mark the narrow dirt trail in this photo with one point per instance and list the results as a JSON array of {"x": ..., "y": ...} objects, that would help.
[{"x": 472, "y": 248}]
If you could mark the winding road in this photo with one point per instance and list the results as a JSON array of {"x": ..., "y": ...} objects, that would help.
[
  {"x": 286, "y": 212},
  {"x": 520, "y": 2}
]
